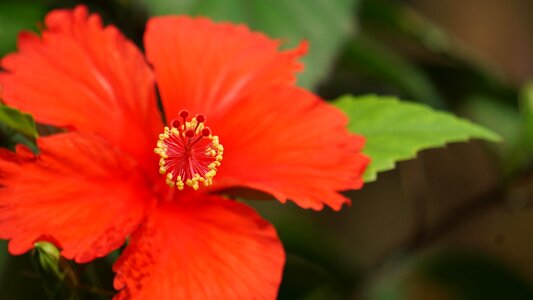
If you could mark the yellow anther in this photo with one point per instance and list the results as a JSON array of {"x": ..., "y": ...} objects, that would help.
[
  {"x": 170, "y": 183},
  {"x": 199, "y": 128}
]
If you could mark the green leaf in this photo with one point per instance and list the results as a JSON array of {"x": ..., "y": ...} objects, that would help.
[
  {"x": 18, "y": 121},
  {"x": 396, "y": 131},
  {"x": 16, "y": 128},
  {"x": 325, "y": 24}
]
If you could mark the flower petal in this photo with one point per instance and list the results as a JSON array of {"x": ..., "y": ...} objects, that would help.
[
  {"x": 291, "y": 144},
  {"x": 201, "y": 248},
  {"x": 277, "y": 138},
  {"x": 82, "y": 75},
  {"x": 205, "y": 67},
  {"x": 77, "y": 193}
]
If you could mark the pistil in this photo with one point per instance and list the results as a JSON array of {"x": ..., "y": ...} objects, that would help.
[{"x": 189, "y": 153}]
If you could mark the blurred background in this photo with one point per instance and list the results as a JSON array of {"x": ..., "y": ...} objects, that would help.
[{"x": 455, "y": 223}]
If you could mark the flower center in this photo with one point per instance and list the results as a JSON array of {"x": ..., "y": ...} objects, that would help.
[{"x": 189, "y": 153}]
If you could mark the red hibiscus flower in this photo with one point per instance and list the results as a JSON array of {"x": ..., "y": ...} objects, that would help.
[{"x": 234, "y": 118}]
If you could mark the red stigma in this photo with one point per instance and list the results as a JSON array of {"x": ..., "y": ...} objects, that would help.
[
  {"x": 175, "y": 123},
  {"x": 206, "y": 132},
  {"x": 184, "y": 113},
  {"x": 189, "y": 133},
  {"x": 200, "y": 118}
]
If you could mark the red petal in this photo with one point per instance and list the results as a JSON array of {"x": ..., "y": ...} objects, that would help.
[
  {"x": 206, "y": 67},
  {"x": 201, "y": 248},
  {"x": 291, "y": 144},
  {"x": 277, "y": 138},
  {"x": 78, "y": 193},
  {"x": 84, "y": 76}
]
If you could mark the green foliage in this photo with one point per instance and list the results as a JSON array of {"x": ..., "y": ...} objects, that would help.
[
  {"x": 526, "y": 109},
  {"x": 404, "y": 21},
  {"x": 325, "y": 24},
  {"x": 16, "y": 128},
  {"x": 58, "y": 277},
  {"x": 474, "y": 276},
  {"x": 452, "y": 274},
  {"x": 18, "y": 279},
  {"x": 420, "y": 60},
  {"x": 396, "y": 131},
  {"x": 383, "y": 64},
  {"x": 399, "y": 21},
  {"x": 46, "y": 258},
  {"x": 18, "y": 121},
  {"x": 16, "y": 16}
]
